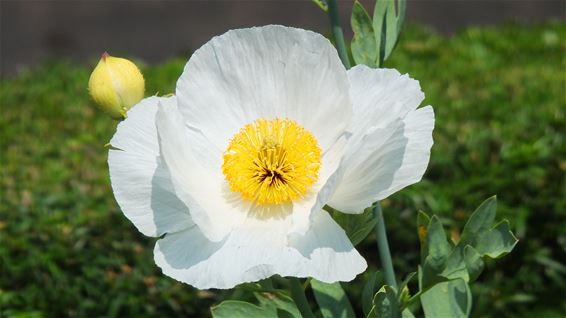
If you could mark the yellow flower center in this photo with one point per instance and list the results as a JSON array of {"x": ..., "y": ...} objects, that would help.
[{"x": 272, "y": 161}]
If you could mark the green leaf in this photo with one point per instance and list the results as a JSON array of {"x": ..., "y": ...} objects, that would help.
[
  {"x": 391, "y": 28},
  {"x": 321, "y": 4},
  {"x": 438, "y": 246},
  {"x": 497, "y": 242},
  {"x": 455, "y": 267},
  {"x": 480, "y": 221},
  {"x": 407, "y": 314},
  {"x": 241, "y": 309},
  {"x": 356, "y": 226},
  {"x": 332, "y": 300},
  {"x": 364, "y": 47},
  {"x": 375, "y": 280},
  {"x": 445, "y": 262},
  {"x": 438, "y": 252},
  {"x": 401, "y": 15},
  {"x": 282, "y": 304},
  {"x": 385, "y": 304},
  {"x": 474, "y": 263},
  {"x": 387, "y": 25},
  {"x": 447, "y": 299},
  {"x": 380, "y": 29},
  {"x": 465, "y": 263}
]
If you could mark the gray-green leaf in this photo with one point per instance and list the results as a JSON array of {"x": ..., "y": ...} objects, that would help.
[
  {"x": 282, "y": 304},
  {"x": 480, "y": 221},
  {"x": 380, "y": 28},
  {"x": 448, "y": 299},
  {"x": 332, "y": 300},
  {"x": 356, "y": 226},
  {"x": 439, "y": 250},
  {"x": 387, "y": 24},
  {"x": 241, "y": 309},
  {"x": 364, "y": 46},
  {"x": 374, "y": 281},
  {"x": 438, "y": 245},
  {"x": 473, "y": 261},
  {"x": 497, "y": 242},
  {"x": 385, "y": 304}
]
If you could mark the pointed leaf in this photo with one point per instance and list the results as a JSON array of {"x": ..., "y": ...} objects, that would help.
[
  {"x": 497, "y": 241},
  {"x": 455, "y": 267},
  {"x": 480, "y": 221},
  {"x": 447, "y": 299},
  {"x": 391, "y": 29},
  {"x": 401, "y": 15},
  {"x": 438, "y": 246},
  {"x": 373, "y": 283},
  {"x": 387, "y": 26},
  {"x": 380, "y": 29},
  {"x": 321, "y": 4},
  {"x": 438, "y": 251},
  {"x": 407, "y": 314},
  {"x": 473, "y": 261},
  {"x": 385, "y": 304},
  {"x": 281, "y": 303},
  {"x": 241, "y": 309},
  {"x": 356, "y": 226},
  {"x": 332, "y": 300},
  {"x": 364, "y": 47}
]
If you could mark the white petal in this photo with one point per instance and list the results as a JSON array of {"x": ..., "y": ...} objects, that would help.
[
  {"x": 212, "y": 206},
  {"x": 139, "y": 179},
  {"x": 304, "y": 210},
  {"x": 380, "y": 96},
  {"x": 385, "y": 161},
  {"x": 260, "y": 249},
  {"x": 263, "y": 72}
]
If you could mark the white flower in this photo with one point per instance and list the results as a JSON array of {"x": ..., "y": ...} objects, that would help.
[{"x": 266, "y": 128}]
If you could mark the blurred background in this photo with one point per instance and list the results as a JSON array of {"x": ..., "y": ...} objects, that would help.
[
  {"x": 35, "y": 30},
  {"x": 495, "y": 72}
]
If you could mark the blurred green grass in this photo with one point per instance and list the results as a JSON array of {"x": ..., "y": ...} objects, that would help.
[{"x": 499, "y": 95}]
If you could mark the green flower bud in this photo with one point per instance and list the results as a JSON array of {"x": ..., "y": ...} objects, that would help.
[{"x": 116, "y": 84}]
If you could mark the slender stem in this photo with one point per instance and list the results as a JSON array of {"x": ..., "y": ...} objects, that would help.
[
  {"x": 383, "y": 247},
  {"x": 298, "y": 294},
  {"x": 337, "y": 33}
]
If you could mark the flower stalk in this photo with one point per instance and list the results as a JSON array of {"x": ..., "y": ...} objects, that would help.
[
  {"x": 383, "y": 247},
  {"x": 337, "y": 33}
]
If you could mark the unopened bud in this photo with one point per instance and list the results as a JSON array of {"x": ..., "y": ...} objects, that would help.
[{"x": 116, "y": 84}]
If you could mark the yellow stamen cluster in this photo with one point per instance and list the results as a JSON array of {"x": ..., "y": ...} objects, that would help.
[{"x": 272, "y": 161}]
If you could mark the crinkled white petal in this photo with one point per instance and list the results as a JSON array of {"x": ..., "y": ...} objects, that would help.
[
  {"x": 385, "y": 161},
  {"x": 140, "y": 181},
  {"x": 262, "y": 72},
  {"x": 379, "y": 97},
  {"x": 304, "y": 210},
  {"x": 212, "y": 206},
  {"x": 259, "y": 249}
]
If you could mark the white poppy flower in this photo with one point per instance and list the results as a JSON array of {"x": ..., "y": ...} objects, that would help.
[{"x": 265, "y": 129}]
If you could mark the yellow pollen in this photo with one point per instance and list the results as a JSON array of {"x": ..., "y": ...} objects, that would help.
[{"x": 272, "y": 161}]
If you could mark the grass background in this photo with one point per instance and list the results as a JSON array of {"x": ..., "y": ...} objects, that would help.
[{"x": 500, "y": 99}]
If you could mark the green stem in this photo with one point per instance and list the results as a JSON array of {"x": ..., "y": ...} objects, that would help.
[
  {"x": 298, "y": 295},
  {"x": 337, "y": 33},
  {"x": 383, "y": 247}
]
